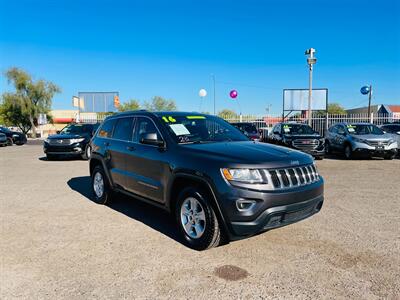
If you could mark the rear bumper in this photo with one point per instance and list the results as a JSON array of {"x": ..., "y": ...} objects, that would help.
[{"x": 279, "y": 216}]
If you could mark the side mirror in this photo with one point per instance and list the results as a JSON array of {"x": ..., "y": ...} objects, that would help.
[
  {"x": 398, "y": 132},
  {"x": 151, "y": 139}
]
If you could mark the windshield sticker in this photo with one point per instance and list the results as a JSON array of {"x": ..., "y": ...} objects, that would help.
[
  {"x": 168, "y": 119},
  {"x": 179, "y": 129},
  {"x": 195, "y": 117},
  {"x": 351, "y": 126},
  {"x": 286, "y": 129},
  {"x": 165, "y": 119},
  {"x": 351, "y": 129}
]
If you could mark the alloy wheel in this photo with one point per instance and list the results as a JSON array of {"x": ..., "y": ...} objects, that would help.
[
  {"x": 193, "y": 218},
  {"x": 98, "y": 184}
]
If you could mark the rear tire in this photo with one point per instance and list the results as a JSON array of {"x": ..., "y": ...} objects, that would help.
[
  {"x": 197, "y": 220},
  {"x": 101, "y": 189}
]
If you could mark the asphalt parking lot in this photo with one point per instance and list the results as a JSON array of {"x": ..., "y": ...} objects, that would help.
[{"x": 56, "y": 243}]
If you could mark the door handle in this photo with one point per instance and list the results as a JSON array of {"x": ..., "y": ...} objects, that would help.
[
  {"x": 106, "y": 143},
  {"x": 130, "y": 148}
]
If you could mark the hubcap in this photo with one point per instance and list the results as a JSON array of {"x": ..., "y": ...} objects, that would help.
[
  {"x": 193, "y": 218},
  {"x": 98, "y": 185},
  {"x": 88, "y": 151}
]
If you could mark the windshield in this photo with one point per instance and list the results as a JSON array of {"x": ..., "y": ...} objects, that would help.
[
  {"x": 76, "y": 129},
  {"x": 200, "y": 129},
  {"x": 391, "y": 128},
  {"x": 297, "y": 129},
  {"x": 248, "y": 128},
  {"x": 358, "y": 129}
]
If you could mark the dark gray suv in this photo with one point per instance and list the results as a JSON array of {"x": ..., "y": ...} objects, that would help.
[{"x": 218, "y": 185}]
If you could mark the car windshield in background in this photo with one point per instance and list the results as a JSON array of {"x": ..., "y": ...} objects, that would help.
[
  {"x": 392, "y": 128},
  {"x": 297, "y": 129},
  {"x": 361, "y": 129},
  {"x": 200, "y": 129},
  {"x": 249, "y": 128},
  {"x": 75, "y": 129}
]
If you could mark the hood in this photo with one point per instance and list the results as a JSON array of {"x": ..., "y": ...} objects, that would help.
[
  {"x": 373, "y": 137},
  {"x": 303, "y": 136},
  {"x": 248, "y": 152},
  {"x": 66, "y": 136}
]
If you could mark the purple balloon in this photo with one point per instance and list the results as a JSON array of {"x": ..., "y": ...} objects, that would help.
[{"x": 233, "y": 94}]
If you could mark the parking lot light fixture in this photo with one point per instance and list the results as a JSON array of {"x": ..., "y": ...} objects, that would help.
[{"x": 311, "y": 60}]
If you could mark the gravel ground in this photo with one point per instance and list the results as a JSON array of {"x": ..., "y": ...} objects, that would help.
[{"x": 57, "y": 244}]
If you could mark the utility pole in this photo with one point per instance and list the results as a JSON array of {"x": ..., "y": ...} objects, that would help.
[
  {"x": 311, "y": 60},
  {"x": 369, "y": 100}
]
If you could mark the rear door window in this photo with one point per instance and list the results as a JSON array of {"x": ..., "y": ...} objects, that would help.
[
  {"x": 106, "y": 129},
  {"x": 123, "y": 129}
]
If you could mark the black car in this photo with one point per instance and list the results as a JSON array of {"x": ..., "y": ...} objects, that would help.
[
  {"x": 13, "y": 137},
  {"x": 298, "y": 136},
  {"x": 249, "y": 130},
  {"x": 3, "y": 139},
  {"x": 394, "y": 130},
  {"x": 218, "y": 185},
  {"x": 71, "y": 140}
]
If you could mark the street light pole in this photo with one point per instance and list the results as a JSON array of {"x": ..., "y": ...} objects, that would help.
[{"x": 311, "y": 60}]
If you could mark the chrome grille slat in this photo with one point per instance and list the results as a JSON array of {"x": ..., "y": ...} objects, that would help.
[{"x": 285, "y": 178}]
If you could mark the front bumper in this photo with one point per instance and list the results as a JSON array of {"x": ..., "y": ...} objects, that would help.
[
  {"x": 272, "y": 209},
  {"x": 366, "y": 149},
  {"x": 73, "y": 149},
  {"x": 279, "y": 216}
]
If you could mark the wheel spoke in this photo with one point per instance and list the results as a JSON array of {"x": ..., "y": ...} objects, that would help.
[{"x": 201, "y": 216}]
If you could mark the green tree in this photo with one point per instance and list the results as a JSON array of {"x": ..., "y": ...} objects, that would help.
[
  {"x": 228, "y": 114},
  {"x": 29, "y": 99},
  {"x": 131, "y": 104},
  {"x": 12, "y": 115},
  {"x": 158, "y": 103},
  {"x": 333, "y": 109}
]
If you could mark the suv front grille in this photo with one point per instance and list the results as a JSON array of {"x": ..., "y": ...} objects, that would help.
[
  {"x": 378, "y": 143},
  {"x": 59, "y": 142},
  {"x": 305, "y": 144},
  {"x": 292, "y": 177}
]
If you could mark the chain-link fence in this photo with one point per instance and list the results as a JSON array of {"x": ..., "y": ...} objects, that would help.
[{"x": 264, "y": 124}]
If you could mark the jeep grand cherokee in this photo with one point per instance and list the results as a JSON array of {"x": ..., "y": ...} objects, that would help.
[{"x": 219, "y": 185}]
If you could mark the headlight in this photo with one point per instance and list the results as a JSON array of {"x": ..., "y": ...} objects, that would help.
[
  {"x": 73, "y": 141},
  {"x": 321, "y": 141},
  {"x": 360, "y": 140},
  {"x": 47, "y": 141},
  {"x": 243, "y": 175},
  {"x": 391, "y": 141},
  {"x": 15, "y": 135}
]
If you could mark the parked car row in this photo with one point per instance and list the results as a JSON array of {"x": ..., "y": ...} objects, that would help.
[
  {"x": 350, "y": 139},
  {"x": 9, "y": 137}
]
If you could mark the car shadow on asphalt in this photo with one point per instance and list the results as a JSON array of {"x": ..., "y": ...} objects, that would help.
[
  {"x": 60, "y": 158},
  {"x": 147, "y": 214}
]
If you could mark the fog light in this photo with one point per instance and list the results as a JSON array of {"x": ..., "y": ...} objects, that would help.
[{"x": 242, "y": 204}]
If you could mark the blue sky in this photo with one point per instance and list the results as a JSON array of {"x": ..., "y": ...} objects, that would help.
[{"x": 171, "y": 48}]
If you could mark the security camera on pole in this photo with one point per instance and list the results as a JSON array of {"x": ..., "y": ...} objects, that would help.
[{"x": 311, "y": 60}]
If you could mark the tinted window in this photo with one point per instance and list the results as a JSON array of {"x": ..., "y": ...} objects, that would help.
[
  {"x": 333, "y": 129},
  {"x": 76, "y": 129},
  {"x": 361, "y": 129},
  {"x": 200, "y": 129},
  {"x": 340, "y": 129},
  {"x": 107, "y": 128},
  {"x": 144, "y": 126},
  {"x": 123, "y": 129},
  {"x": 297, "y": 129},
  {"x": 391, "y": 128}
]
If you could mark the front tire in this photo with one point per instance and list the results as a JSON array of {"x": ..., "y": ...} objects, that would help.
[
  {"x": 389, "y": 156},
  {"x": 101, "y": 189},
  {"x": 88, "y": 152},
  {"x": 197, "y": 220},
  {"x": 348, "y": 151}
]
